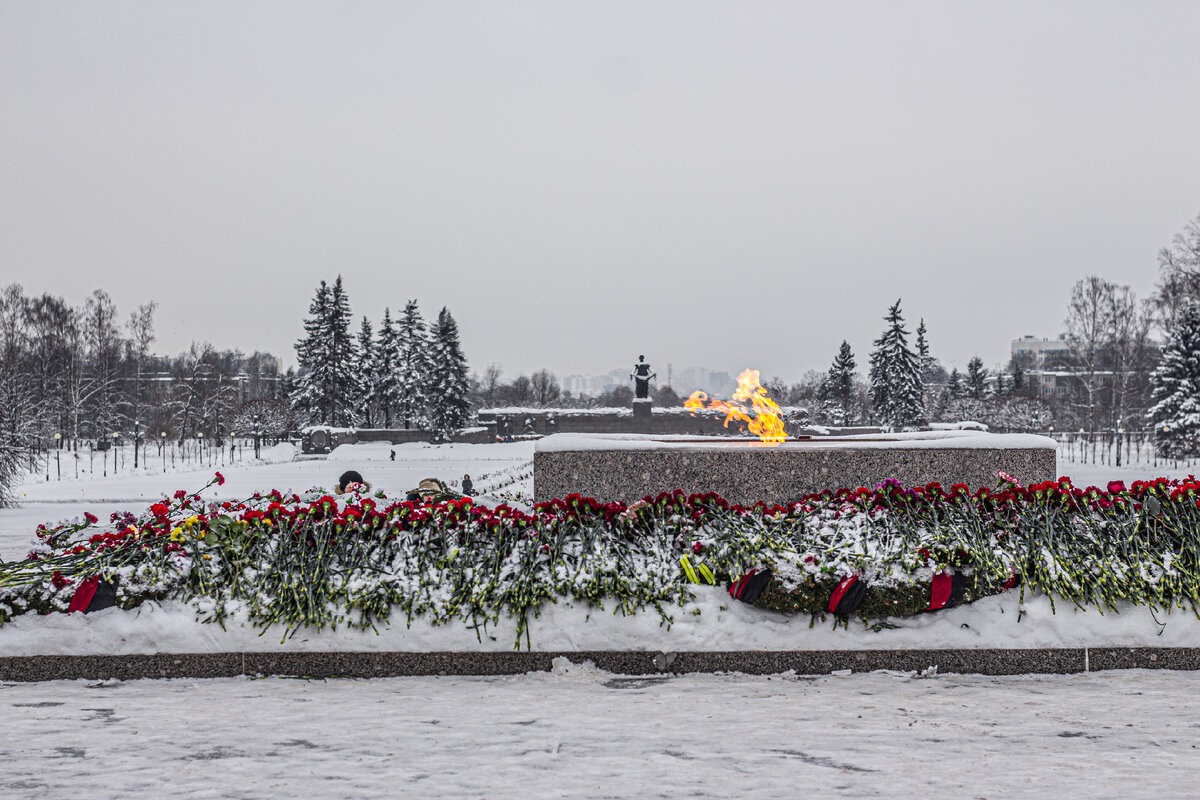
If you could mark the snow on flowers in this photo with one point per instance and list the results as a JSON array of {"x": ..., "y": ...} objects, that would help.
[{"x": 311, "y": 561}]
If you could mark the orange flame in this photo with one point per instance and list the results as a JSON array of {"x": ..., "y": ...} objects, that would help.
[{"x": 763, "y": 417}]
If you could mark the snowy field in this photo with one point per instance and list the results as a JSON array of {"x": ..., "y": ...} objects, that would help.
[
  {"x": 577, "y": 732},
  {"x": 496, "y": 469}
]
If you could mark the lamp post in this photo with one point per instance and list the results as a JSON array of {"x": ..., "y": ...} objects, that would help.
[
  {"x": 162, "y": 448},
  {"x": 200, "y": 446},
  {"x": 256, "y": 450},
  {"x": 137, "y": 436},
  {"x": 58, "y": 454},
  {"x": 114, "y": 449}
]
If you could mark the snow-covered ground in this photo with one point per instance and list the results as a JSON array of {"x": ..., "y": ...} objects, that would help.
[
  {"x": 578, "y": 732},
  {"x": 495, "y": 469}
]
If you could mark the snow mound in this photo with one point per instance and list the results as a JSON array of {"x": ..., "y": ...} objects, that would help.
[{"x": 711, "y": 622}]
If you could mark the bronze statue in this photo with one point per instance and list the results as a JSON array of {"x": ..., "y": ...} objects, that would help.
[{"x": 641, "y": 378}]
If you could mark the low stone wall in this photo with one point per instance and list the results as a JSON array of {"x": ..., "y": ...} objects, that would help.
[
  {"x": 674, "y": 420},
  {"x": 627, "y": 468},
  {"x": 319, "y": 440},
  {"x": 755, "y": 662}
]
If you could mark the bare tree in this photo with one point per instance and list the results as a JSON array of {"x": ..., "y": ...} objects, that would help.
[
  {"x": 141, "y": 336},
  {"x": 16, "y": 401},
  {"x": 545, "y": 387},
  {"x": 1089, "y": 326},
  {"x": 1178, "y": 274},
  {"x": 490, "y": 384},
  {"x": 104, "y": 354},
  {"x": 1131, "y": 352},
  {"x": 522, "y": 391}
]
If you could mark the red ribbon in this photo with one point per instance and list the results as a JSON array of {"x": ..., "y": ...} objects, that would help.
[{"x": 84, "y": 594}]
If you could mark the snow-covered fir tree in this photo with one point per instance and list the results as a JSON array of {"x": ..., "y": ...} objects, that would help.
[
  {"x": 308, "y": 394},
  {"x": 345, "y": 385},
  {"x": 412, "y": 367},
  {"x": 327, "y": 386},
  {"x": 385, "y": 391},
  {"x": 897, "y": 390},
  {"x": 954, "y": 385},
  {"x": 364, "y": 373},
  {"x": 1017, "y": 377},
  {"x": 976, "y": 378},
  {"x": 289, "y": 384},
  {"x": 931, "y": 371},
  {"x": 1175, "y": 388},
  {"x": 923, "y": 358},
  {"x": 448, "y": 382},
  {"x": 953, "y": 391},
  {"x": 836, "y": 392}
]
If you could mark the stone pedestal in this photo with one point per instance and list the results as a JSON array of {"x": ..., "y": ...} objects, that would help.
[
  {"x": 627, "y": 467},
  {"x": 641, "y": 415}
]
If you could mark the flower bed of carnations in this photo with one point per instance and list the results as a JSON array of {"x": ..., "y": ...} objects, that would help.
[{"x": 314, "y": 561}]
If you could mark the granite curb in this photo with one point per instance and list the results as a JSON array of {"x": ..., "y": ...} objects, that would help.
[{"x": 754, "y": 662}]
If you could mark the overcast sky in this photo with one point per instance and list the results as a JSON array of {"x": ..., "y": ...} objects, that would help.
[{"x": 730, "y": 185}]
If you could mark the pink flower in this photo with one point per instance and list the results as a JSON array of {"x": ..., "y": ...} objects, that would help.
[{"x": 1004, "y": 476}]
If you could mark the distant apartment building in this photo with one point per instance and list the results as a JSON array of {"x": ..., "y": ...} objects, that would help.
[
  {"x": 708, "y": 381},
  {"x": 577, "y": 385},
  {"x": 1031, "y": 351},
  {"x": 1044, "y": 362}
]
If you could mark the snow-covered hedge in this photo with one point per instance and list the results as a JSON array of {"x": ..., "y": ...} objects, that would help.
[{"x": 314, "y": 561}]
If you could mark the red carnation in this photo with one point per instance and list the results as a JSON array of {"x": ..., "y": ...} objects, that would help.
[
  {"x": 220, "y": 479},
  {"x": 91, "y": 518},
  {"x": 697, "y": 547}
]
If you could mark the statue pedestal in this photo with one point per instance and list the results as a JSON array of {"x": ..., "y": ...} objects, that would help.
[{"x": 641, "y": 414}]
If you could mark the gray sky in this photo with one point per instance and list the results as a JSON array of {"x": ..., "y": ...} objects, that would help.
[{"x": 726, "y": 184}]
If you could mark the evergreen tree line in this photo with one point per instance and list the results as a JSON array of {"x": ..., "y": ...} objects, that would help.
[{"x": 400, "y": 373}]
